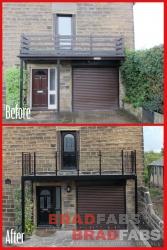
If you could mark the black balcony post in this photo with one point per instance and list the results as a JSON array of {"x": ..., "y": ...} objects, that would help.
[
  {"x": 22, "y": 155},
  {"x": 122, "y": 155},
  {"x": 135, "y": 160},
  {"x": 56, "y": 161},
  {"x": 23, "y": 204},
  {"x": 34, "y": 163},
  {"x": 78, "y": 162},
  {"x": 21, "y": 83},
  {"x": 136, "y": 196},
  {"x": 100, "y": 162},
  {"x": 29, "y": 170},
  {"x": 132, "y": 161}
]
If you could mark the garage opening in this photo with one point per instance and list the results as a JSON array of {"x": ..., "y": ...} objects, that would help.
[
  {"x": 105, "y": 201},
  {"x": 95, "y": 88}
]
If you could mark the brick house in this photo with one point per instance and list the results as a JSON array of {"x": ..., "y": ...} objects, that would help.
[
  {"x": 72, "y": 170},
  {"x": 72, "y": 52}
]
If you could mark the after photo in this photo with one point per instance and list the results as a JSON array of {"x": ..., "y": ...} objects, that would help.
[
  {"x": 83, "y": 186},
  {"x": 83, "y": 62}
]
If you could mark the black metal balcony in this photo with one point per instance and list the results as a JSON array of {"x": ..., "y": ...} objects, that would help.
[
  {"x": 71, "y": 46},
  {"x": 87, "y": 163}
]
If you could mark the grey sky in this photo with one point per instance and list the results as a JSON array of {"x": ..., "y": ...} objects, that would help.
[
  {"x": 153, "y": 138},
  {"x": 149, "y": 24}
]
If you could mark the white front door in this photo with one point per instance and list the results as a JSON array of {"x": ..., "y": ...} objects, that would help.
[{"x": 52, "y": 88}]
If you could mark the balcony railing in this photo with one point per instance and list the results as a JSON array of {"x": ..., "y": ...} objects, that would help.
[
  {"x": 87, "y": 163},
  {"x": 71, "y": 46}
]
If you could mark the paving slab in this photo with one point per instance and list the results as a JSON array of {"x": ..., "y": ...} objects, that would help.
[
  {"x": 115, "y": 116},
  {"x": 64, "y": 238}
]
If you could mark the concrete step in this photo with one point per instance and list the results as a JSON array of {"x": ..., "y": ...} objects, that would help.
[{"x": 44, "y": 231}]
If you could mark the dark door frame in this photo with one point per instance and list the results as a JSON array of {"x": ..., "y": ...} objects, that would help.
[
  {"x": 74, "y": 133},
  {"x": 38, "y": 188}
]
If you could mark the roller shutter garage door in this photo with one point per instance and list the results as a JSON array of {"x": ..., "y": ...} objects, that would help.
[
  {"x": 95, "y": 89},
  {"x": 101, "y": 200}
]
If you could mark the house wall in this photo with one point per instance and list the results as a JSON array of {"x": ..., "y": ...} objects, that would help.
[
  {"x": 44, "y": 141},
  {"x": 100, "y": 19}
]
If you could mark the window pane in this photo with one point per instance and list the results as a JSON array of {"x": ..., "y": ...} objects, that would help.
[
  {"x": 52, "y": 79},
  {"x": 52, "y": 99},
  {"x": 69, "y": 143},
  {"x": 48, "y": 202},
  {"x": 58, "y": 205},
  {"x": 41, "y": 202},
  {"x": 64, "y": 26},
  {"x": 45, "y": 192}
]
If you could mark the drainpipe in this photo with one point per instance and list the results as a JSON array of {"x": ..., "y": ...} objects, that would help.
[
  {"x": 21, "y": 83},
  {"x": 23, "y": 206}
]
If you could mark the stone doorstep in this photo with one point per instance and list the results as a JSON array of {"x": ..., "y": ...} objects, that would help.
[{"x": 44, "y": 231}]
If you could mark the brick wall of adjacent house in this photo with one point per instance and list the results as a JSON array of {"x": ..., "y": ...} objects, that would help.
[
  {"x": 43, "y": 140},
  {"x": 107, "y": 19}
]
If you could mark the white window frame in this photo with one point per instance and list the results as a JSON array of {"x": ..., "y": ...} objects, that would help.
[{"x": 54, "y": 92}]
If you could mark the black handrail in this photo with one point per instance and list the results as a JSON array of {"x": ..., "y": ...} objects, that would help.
[{"x": 127, "y": 161}]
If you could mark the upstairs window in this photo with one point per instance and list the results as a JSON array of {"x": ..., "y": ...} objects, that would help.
[{"x": 64, "y": 26}]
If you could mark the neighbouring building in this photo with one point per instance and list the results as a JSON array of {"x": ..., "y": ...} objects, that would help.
[
  {"x": 72, "y": 52},
  {"x": 74, "y": 170},
  {"x": 156, "y": 169}
]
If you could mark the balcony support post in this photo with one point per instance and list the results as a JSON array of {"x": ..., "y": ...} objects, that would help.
[
  {"x": 34, "y": 163},
  {"x": 29, "y": 169},
  {"x": 56, "y": 161},
  {"x": 132, "y": 161},
  {"x": 21, "y": 82},
  {"x": 78, "y": 162},
  {"x": 135, "y": 160},
  {"x": 23, "y": 204},
  {"x": 122, "y": 153},
  {"x": 22, "y": 157},
  {"x": 100, "y": 162}
]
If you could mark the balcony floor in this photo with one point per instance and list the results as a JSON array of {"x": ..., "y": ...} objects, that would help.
[{"x": 81, "y": 173}]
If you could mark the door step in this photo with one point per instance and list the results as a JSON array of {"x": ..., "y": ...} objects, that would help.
[{"x": 45, "y": 231}]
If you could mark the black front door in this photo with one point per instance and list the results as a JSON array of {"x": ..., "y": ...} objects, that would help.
[
  {"x": 69, "y": 150},
  {"x": 48, "y": 202}
]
